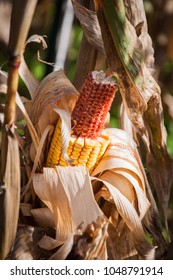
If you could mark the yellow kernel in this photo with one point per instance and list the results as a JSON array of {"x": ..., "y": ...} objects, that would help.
[
  {"x": 79, "y": 142},
  {"x": 86, "y": 150},
  {"x": 72, "y": 139},
  {"x": 81, "y": 164},
  {"x": 75, "y": 153},
  {"x": 62, "y": 162},
  {"x": 82, "y": 161},
  {"x": 89, "y": 143},
  {"x": 77, "y": 149},
  {"x": 74, "y": 156},
  {"x": 69, "y": 151},
  {"x": 84, "y": 156}
]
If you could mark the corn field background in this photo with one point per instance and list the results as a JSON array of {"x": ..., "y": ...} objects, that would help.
[{"x": 77, "y": 181}]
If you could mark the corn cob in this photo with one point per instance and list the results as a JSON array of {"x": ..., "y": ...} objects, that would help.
[{"x": 87, "y": 142}]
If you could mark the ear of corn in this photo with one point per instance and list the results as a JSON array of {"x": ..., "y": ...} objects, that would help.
[{"x": 87, "y": 142}]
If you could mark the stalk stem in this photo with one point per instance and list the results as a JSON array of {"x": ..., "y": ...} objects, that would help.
[{"x": 22, "y": 13}]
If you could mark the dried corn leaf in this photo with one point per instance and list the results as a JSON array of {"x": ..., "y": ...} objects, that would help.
[
  {"x": 121, "y": 246},
  {"x": 136, "y": 15},
  {"x": 77, "y": 186},
  {"x": 132, "y": 220},
  {"x": 142, "y": 202},
  {"x": 25, "y": 247},
  {"x": 9, "y": 197},
  {"x": 68, "y": 197},
  {"x": 90, "y": 25},
  {"x": 25, "y": 209},
  {"x": 43, "y": 217},
  {"x": 54, "y": 89},
  {"x": 30, "y": 126},
  {"x": 63, "y": 251},
  {"x": 48, "y": 243},
  {"x": 121, "y": 153},
  {"x": 91, "y": 243},
  {"x": 128, "y": 185},
  {"x": 38, "y": 157},
  {"x": 121, "y": 183},
  {"x": 29, "y": 80},
  {"x": 49, "y": 189}
]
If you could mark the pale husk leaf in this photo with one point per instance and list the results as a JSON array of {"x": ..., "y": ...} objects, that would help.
[
  {"x": 38, "y": 158},
  {"x": 121, "y": 153},
  {"x": 64, "y": 250},
  {"x": 121, "y": 183},
  {"x": 132, "y": 220},
  {"x": 54, "y": 90},
  {"x": 142, "y": 201},
  {"x": 50, "y": 190},
  {"x": 67, "y": 192},
  {"x": 77, "y": 186}
]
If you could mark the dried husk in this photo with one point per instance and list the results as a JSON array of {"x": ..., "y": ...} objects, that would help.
[
  {"x": 43, "y": 217},
  {"x": 26, "y": 247},
  {"x": 10, "y": 196},
  {"x": 67, "y": 193},
  {"x": 54, "y": 89},
  {"x": 90, "y": 244}
]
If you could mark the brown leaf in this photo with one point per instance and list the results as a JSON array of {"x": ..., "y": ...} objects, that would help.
[
  {"x": 9, "y": 196},
  {"x": 124, "y": 241},
  {"x": 90, "y": 25},
  {"x": 91, "y": 243},
  {"x": 136, "y": 15},
  {"x": 25, "y": 247},
  {"x": 43, "y": 217},
  {"x": 53, "y": 89}
]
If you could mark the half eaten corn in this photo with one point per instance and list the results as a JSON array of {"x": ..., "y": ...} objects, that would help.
[{"x": 87, "y": 142}]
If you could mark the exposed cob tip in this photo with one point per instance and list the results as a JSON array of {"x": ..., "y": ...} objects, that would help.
[
  {"x": 87, "y": 142},
  {"x": 90, "y": 111}
]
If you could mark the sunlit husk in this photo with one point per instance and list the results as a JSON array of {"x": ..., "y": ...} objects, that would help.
[
  {"x": 54, "y": 90},
  {"x": 67, "y": 197}
]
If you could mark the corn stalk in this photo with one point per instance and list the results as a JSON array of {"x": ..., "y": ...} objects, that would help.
[{"x": 22, "y": 13}]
